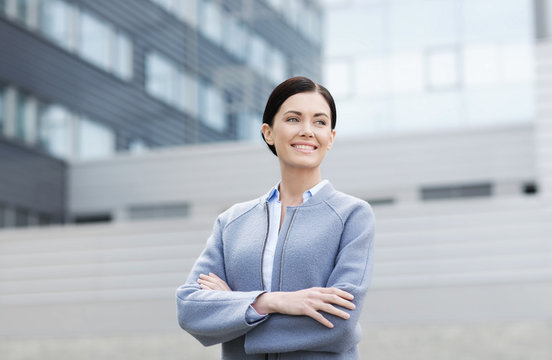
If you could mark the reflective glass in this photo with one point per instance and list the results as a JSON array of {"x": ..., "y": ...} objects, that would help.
[
  {"x": 442, "y": 69},
  {"x": 22, "y": 113},
  {"x": 54, "y": 130},
  {"x": 55, "y": 21},
  {"x": 22, "y": 9},
  {"x": 211, "y": 110},
  {"x": 419, "y": 23},
  {"x": 2, "y": 109},
  {"x": 496, "y": 20},
  {"x": 122, "y": 56},
  {"x": 339, "y": 77},
  {"x": 353, "y": 33},
  {"x": 95, "y": 140},
  {"x": 159, "y": 76},
  {"x": 407, "y": 72},
  {"x": 372, "y": 76},
  {"x": 94, "y": 40},
  {"x": 210, "y": 20}
]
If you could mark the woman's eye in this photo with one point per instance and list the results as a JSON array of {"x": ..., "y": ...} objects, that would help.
[
  {"x": 293, "y": 120},
  {"x": 320, "y": 122}
]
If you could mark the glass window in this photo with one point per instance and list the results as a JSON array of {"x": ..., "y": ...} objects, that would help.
[
  {"x": 122, "y": 56},
  {"x": 249, "y": 126},
  {"x": 442, "y": 69},
  {"x": 94, "y": 40},
  {"x": 55, "y": 20},
  {"x": 339, "y": 77},
  {"x": 159, "y": 76},
  {"x": 277, "y": 66},
  {"x": 407, "y": 72},
  {"x": 372, "y": 76},
  {"x": 95, "y": 140},
  {"x": 54, "y": 130},
  {"x": 257, "y": 53},
  {"x": 211, "y": 110},
  {"x": 210, "y": 20},
  {"x": 2, "y": 108},
  {"x": 3, "y": 6},
  {"x": 235, "y": 37},
  {"x": 137, "y": 146},
  {"x": 22, "y": 8},
  {"x": 22, "y": 114},
  {"x": 353, "y": 33},
  {"x": 481, "y": 65},
  {"x": 187, "y": 11},
  {"x": 497, "y": 20},
  {"x": 419, "y": 23}
]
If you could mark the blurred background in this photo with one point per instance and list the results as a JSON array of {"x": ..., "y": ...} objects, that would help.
[{"x": 127, "y": 126}]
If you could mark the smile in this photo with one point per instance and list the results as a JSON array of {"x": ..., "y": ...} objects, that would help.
[{"x": 304, "y": 147}]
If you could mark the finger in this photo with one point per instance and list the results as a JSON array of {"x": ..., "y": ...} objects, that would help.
[
  {"x": 341, "y": 293},
  {"x": 219, "y": 281},
  {"x": 212, "y": 285},
  {"x": 337, "y": 300},
  {"x": 335, "y": 311},
  {"x": 321, "y": 319}
]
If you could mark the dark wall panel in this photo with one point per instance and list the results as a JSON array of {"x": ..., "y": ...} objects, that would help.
[{"x": 31, "y": 180}]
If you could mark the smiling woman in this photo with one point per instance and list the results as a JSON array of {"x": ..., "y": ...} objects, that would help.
[{"x": 284, "y": 276}]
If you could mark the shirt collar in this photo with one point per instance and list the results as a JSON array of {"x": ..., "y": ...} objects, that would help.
[{"x": 274, "y": 194}]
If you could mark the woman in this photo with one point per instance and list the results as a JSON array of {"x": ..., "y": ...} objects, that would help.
[{"x": 284, "y": 276}]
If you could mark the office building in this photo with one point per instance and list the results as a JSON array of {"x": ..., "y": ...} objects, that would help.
[{"x": 82, "y": 80}]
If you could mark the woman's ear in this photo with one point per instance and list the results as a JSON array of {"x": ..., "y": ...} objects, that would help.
[
  {"x": 267, "y": 133},
  {"x": 332, "y": 137}
]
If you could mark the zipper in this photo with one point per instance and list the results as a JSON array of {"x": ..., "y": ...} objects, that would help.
[
  {"x": 283, "y": 246},
  {"x": 264, "y": 246}
]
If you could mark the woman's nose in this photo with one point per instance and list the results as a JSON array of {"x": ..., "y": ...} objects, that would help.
[{"x": 306, "y": 129}]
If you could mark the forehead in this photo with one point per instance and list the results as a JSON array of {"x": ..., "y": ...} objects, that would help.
[{"x": 307, "y": 102}]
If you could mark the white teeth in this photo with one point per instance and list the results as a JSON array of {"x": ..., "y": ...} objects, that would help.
[{"x": 304, "y": 147}]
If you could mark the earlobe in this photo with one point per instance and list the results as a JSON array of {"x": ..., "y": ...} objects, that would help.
[
  {"x": 267, "y": 134},
  {"x": 330, "y": 144}
]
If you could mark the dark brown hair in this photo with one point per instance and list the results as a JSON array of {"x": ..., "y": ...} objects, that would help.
[{"x": 290, "y": 87}]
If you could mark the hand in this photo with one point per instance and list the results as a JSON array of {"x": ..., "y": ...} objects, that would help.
[
  {"x": 212, "y": 282},
  {"x": 306, "y": 302}
]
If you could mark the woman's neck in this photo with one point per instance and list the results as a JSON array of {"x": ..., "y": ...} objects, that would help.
[{"x": 295, "y": 182}]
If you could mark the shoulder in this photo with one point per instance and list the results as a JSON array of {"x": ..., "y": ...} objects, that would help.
[
  {"x": 345, "y": 206},
  {"x": 239, "y": 210}
]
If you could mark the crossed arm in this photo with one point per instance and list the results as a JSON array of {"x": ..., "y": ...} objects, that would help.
[{"x": 306, "y": 302}]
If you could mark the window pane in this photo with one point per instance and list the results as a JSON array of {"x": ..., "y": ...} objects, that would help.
[
  {"x": 159, "y": 77},
  {"x": 339, "y": 77},
  {"x": 211, "y": 20},
  {"x": 55, "y": 130},
  {"x": 122, "y": 52},
  {"x": 2, "y": 109},
  {"x": 94, "y": 40},
  {"x": 372, "y": 76},
  {"x": 22, "y": 113},
  {"x": 419, "y": 23},
  {"x": 407, "y": 73},
  {"x": 55, "y": 20},
  {"x": 442, "y": 69},
  {"x": 212, "y": 107},
  {"x": 22, "y": 9},
  {"x": 95, "y": 140}
]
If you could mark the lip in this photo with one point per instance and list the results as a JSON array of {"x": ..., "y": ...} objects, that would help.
[{"x": 304, "y": 147}]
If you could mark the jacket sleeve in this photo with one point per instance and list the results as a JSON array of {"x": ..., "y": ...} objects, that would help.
[
  {"x": 213, "y": 316},
  {"x": 352, "y": 272}
]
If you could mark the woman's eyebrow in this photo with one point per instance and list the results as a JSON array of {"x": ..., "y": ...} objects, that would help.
[{"x": 299, "y": 113}]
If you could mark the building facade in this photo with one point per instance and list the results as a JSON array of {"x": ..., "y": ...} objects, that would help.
[{"x": 83, "y": 80}]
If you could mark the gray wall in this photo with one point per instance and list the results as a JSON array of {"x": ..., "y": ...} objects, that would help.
[{"x": 31, "y": 180}]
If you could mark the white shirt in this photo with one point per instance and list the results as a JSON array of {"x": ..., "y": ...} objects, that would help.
[{"x": 275, "y": 212}]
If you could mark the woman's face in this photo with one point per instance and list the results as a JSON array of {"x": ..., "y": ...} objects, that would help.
[{"x": 301, "y": 130}]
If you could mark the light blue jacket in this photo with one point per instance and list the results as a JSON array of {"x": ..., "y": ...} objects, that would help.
[{"x": 325, "y": 242}]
